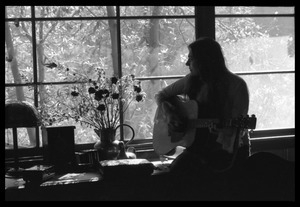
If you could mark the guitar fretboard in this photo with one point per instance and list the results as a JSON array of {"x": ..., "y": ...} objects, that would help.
[
  {"x": 248, "y": 123},
  {"x": 203, "y": 123}
]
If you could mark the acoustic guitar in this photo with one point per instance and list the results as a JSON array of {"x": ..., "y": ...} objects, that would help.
[{"x": 165, "y": 139}]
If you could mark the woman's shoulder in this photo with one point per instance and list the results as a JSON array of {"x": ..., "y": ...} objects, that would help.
[{"x": 234, "y": 78}]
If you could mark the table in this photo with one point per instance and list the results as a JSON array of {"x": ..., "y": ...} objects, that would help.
[{"x": 89, "y": 185}]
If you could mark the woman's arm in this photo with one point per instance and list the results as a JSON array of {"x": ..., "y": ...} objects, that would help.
[
  {"x": 176, "y": 88},
  {"x": 240, "y": 105},
  {"x": 241, "y": 101},
  {"x": 165, "y": 111}
]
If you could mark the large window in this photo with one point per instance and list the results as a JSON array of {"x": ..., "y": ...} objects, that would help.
[
  {"x": 147, "y": 41},
  {"x": 151, "y": 43}
]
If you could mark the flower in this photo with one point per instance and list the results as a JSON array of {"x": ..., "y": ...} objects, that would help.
[{"x": 97, "y": 103}]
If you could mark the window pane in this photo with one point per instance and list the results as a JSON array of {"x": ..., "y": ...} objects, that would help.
[
  {"x": 24, "y": 141},
  {"x": 74, "y": 47},
  {"x": 19, "y": 93},
  {"x": 18, "y": 11},
  {"x": 70, "y": 11},
  {"x": 156, "y": 47},
  {"x": 272, "y": 100},
  {"x": 257, "y": 44},
  {"x": 254, "y": 10},
  {"x": 139, "y": 117},
  {"x": 18, "y": 52},
  {"x": 156, "y": 10}
]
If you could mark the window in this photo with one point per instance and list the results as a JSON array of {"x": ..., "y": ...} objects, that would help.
[
  {"x": 147, "y": 41},
  {"x": 259, "y": 45},
  {"x": 151, "y": 43}
]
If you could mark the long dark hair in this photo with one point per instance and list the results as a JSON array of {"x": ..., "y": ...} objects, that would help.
[{"x": 212, "y": 68}]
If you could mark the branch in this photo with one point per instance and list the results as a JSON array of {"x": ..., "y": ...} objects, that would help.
[
  {"x": 225, "y": 27},
  {"x": 182, "y": 33},
  {"x": 186, "y": 19},
  {"x": 24, "y": 28},
  {"x": 107, "y": 112},
  {"x": 90, "y": 11},
  {"x": 26, "y": 31},
  {"x": 52, "y": 28}
]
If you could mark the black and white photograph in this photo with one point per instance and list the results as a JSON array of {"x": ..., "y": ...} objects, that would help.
[{"x": 149, "y": 103}]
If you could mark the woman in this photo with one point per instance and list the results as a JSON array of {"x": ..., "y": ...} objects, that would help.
[{"x": 219, "y": 94}]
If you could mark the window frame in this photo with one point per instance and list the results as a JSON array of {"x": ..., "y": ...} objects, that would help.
[{"x": 204, "y": 26}]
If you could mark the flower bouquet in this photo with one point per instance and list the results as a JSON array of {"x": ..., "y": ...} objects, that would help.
[{"x": 96, "y": 103}]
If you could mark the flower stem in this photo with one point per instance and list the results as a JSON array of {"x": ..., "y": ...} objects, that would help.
[{"x": 107, "y": 112}]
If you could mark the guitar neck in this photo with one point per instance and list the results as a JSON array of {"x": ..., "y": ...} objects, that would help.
[
  {"x": 203, "y": 123},
  {"x": 209, "y": 123}
]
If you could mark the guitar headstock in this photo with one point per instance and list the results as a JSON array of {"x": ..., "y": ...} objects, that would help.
[{"x": 245, "y": 122}]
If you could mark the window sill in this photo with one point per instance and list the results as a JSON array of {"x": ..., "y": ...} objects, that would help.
[{"x": 261, "y": 140}]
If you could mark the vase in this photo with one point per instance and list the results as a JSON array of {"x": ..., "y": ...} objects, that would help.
[{"x": 108, "y": 147}]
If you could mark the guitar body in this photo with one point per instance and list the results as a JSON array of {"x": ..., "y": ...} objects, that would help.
[{"x": 165, "y": 140}]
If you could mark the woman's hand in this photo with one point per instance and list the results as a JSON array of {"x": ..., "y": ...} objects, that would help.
[{"x": 175, "y": 122}]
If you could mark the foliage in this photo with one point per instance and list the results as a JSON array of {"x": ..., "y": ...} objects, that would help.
[{"x": 95, "y": 103}]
